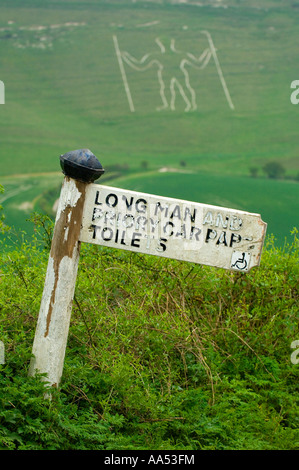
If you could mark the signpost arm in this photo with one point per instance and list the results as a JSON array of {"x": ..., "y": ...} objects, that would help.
[{"x": 80, "y": 168}]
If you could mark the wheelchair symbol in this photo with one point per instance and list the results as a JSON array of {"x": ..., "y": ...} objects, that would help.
[{"x": 240, "y": 261}]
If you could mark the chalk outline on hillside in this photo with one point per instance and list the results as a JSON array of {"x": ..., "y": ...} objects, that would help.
[{"x": 185, "y": 89}]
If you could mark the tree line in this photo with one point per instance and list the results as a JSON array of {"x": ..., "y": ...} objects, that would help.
[{"x": 273, "y": 170}]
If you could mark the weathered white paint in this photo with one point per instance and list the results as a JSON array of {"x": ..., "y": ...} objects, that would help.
[
  {"x": 69, "y": 197},
  {"x": 172, "y": 228},
  {"x": 56, "y": 305}
]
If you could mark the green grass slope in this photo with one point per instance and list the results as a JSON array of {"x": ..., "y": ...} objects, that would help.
[{"x": 64, "y": 87}]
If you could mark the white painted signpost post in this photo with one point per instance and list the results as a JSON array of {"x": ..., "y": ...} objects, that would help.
[
  {"x": 80, "y": 168},
  {"x": 144, "y": 223}
]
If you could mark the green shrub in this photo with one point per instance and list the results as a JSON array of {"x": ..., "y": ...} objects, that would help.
[{"x": 161, "y": 354}]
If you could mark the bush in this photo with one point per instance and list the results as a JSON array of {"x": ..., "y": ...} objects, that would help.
[{"x": 274, "y": 170}]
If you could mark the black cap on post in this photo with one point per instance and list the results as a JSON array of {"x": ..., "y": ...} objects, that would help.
[{"x": 81, "y": 165}]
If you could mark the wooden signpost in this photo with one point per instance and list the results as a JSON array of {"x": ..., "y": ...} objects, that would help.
[{"x": 129, "y": 220}]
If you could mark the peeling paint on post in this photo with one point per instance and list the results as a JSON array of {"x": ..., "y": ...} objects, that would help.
[
  {"x": 80, "y": 167},
  {"x": 55, "y": 311}
]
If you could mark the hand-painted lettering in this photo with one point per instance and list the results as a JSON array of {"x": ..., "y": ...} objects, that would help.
[
  {"x": 220, "y": 221},
  {"x": 166, "y": 229},
  {"x": 136, "y": 241},
  {"x": 121, "y": 237},
  {"x": 188, "y": 213},
  {"x": 128, "y": 204},
  {"x": 211, "y": 235},
  {"x": 128, "y": 221},
  {"x": 172, "y": 227},
  {"x": 141, "y": 222},
  {"x": 176, "y": 212},
  {"x": 195, "y": 231},
  {"x": 234, "y": 222},
  {"x": 141, "y": 205},
  {"x": 220, "y": 238},
  {"x": 235, "y": 238},
  {"x": 97, "y": 202},
  {"x": 162, "y": 247},
  {"x": 161, "y": 209},
  {"x": 105, "y": 231},
  {"x": 182, "y": 232},
  {"x": 111, "y": 200}
]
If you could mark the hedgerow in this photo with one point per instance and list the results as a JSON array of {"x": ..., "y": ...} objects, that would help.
[{"x": 161, "y": 354}]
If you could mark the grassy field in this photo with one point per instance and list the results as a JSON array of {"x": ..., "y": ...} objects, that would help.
[{"x": 64, "y": 89}]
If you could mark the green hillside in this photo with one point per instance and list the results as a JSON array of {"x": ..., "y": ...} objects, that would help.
[
  {"x": 71, "y": 82},
  {"x": 64, "y": 88}
]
